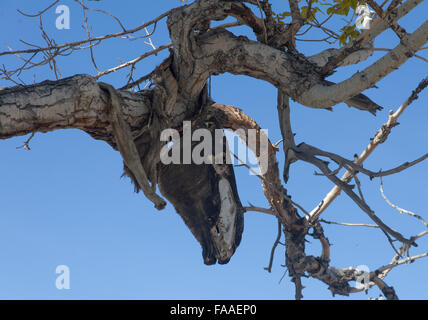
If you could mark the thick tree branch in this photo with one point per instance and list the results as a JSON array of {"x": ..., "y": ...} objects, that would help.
[
  {"x": 76, "y": 102},
  {"x": 220, "y": 51},
  {"x": 197, "y": 55},
  {"x": 325, "y": 96}
]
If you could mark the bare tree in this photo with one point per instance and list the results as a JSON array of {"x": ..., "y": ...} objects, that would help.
[{"x": 131, "y": 118}]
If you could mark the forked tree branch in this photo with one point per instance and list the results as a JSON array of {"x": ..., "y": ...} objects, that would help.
[{"x": 380, "y": 137}]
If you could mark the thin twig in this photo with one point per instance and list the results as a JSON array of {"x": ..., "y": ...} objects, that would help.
[
  {"x": 26, "y": 144},
  {"x": 77, "y": 43},
  {"x": 132, "y": 62},
  {"x": 275, "y": 245},
  {"x": 401, "y": 210},
  {"x": 259, "y": 209},
  {"x": 350, "y": 224},
  {"x": 40, "y": 12}
]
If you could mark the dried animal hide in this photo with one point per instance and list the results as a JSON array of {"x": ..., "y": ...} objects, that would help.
[{"x": 206, "y": 197}]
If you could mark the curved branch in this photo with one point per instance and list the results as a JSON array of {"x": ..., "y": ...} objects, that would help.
[
  {"x": 219, "y": 51},
  {"x": 233, "y": 118},
  {"x": 40, "y": 12},
  {"x": 199, "y": 55}
]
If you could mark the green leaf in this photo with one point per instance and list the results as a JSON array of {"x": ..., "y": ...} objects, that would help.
[{"x": 342, "y": 39}]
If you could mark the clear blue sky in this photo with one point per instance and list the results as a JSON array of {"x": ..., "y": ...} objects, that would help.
[{"x": 63, "y": 202}]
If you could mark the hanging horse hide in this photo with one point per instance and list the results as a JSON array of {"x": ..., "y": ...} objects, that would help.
[{"x": 206, "y": 198}]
